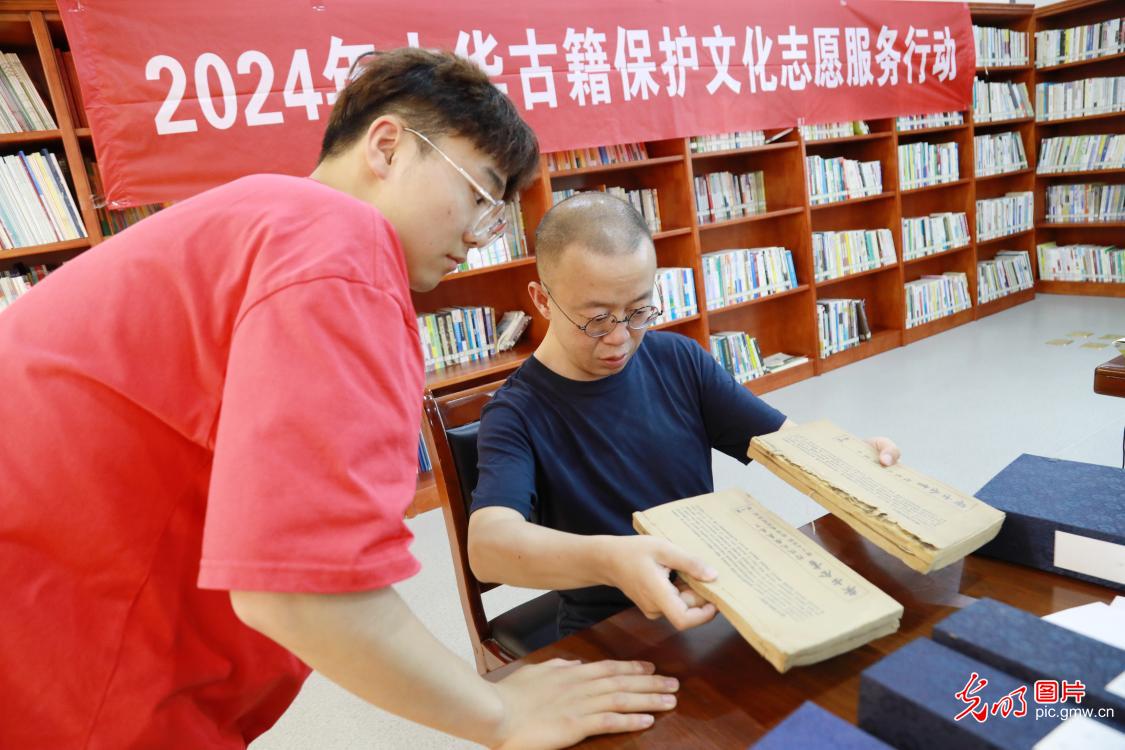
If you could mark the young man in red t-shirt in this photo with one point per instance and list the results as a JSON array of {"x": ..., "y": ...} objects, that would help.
[{"x": 209, "y": 430}]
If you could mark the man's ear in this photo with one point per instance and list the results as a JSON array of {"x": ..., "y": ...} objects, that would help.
[
  {"x": 382, "y": 144},
  {"x": 539, "y": 298}
]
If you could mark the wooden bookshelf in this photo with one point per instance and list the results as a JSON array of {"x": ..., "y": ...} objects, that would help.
[{"x": 1061, "y": 16}]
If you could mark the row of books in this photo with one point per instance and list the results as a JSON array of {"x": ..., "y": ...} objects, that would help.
[
  {"x": 720, "y": 196},
  {"x": 922, "y": 164},
  {"x": 1008, "y": 214},
  {"x": 113, "y": 221},
  {"x": 936, "y": 233},
  {"x": 738, "y": 353},
  {"x": 838, "y": 179},
  {"x": 1081, "y": 153},
  {"x": 644, "y": 200},
  {"x": 36, "y": 205},
  {"x": 739, "y": 275},
  {"x": 21, "y": 107},
  {"x": 827, "y": 130},
  {"x": 935, "y": 120},
  {"x": 999, "y": 47},
  {"x": 997, "y": 153},
  {"x": 18, "y": 280},
  {"x": 1009, "y": 272},
  {"x": 994, "y": 101},
  {"x": 676, "y": 294},
  {"x": 1094, "y": 263},
  {"x": 702, "y": 144},
  {"x": 1089, "y": 96},
  {"x": 1059, "y": 46},
  {"x": 509, "y": 246},
  {"x": 837, "y": 254},
  {"x": 841, "y": 324},
  {"x": 579, "y": 158},
  {"x": 455, "y": 335},
  {"x": 933, "y": 297},
  {"x": 1085, "y": 202}
]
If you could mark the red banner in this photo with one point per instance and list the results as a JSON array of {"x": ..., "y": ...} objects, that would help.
[{"x": 182, "y": 96}]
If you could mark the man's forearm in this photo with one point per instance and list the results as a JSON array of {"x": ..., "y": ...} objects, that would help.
[
  {"x": 519, "y": 553},
  {"x": 372, "y": 645}
]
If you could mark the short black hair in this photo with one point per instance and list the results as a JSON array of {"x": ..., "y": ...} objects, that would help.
[
  {"x": 437, "y": 94},
  {"x": 597, "y": 221}
]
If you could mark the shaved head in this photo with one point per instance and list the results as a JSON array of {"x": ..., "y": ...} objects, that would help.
[{"x": 595, "y": 221}]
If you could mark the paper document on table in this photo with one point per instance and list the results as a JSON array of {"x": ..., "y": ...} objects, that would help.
[
  {"x": 922, "y": 521},
  {"x": 793, "y": 601}
]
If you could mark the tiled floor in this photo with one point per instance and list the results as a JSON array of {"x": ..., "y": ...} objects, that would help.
[{"x": 961, "y": 405}]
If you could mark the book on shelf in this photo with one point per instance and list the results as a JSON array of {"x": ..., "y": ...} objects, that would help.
[
  {"x": 827, "y": 130},
  {"x": 1084, "y": 98},
  {"x": 841, "y": 324},
  {"x": 1085, "y": 202},
  {"x": 702, "y": 144},
  {"x": 792, "y": 601},
  {"x": 995, "y": 101},
  {"x": 1094, "y": 263},
  {"x": 737, "y": 352},
  {"x": 1078, "y": 43},
  {"x": 511, "y": 326},
  {"x": 922, "y": 521},
  {"x": 509, "y": 246},
  {"x": 743, "y": 274},
  {"x": 779, "y": 361},
  {"x": 36, "y": 204},
  {"x": 720, "y": 196},
  {"x": 936, "y": 233},
  {"x": 931, "y": 298},
  {"x": 922, "y": 164},
  {"x": 72, "y": 89},
  {"x": 839, "y": 179},
  {"x": 1081, "y": 153},
  {"x": 1005, "y": 215},
  {"x": 997, "y": 153},
  {"x": 456, "y": 335},
  {"x": 674, "y": 293},
  {"x": 837, "y": 254},
  {"x": 906, "y": 123},
  {"x": 22, "y": 109},
  {"x": 1009, "y": 272},
  {"x": 18, "y": 281},
  {"x": 424, "y": 462},
  {"x": 597, "y": 156},
  {"x": 999, "y": 47}
]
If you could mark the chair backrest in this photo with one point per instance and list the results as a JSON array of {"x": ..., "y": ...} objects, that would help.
[{"x": 453, "y": 421}]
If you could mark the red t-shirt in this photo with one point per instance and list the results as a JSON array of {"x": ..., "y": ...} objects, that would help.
[{"x": 225, "y": 397}]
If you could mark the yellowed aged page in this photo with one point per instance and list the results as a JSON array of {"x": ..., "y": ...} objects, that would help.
[
  {"x": 925, "y": 523},
  {"x": 793, "y": 601}
]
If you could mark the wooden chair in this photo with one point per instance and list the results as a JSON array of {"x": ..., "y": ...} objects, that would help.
[{"x": 453, "y": 421}]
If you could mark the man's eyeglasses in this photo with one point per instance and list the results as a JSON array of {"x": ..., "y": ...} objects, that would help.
[
  {"x": 492, "y": 220},
  {"x": 602, "y": 325}
]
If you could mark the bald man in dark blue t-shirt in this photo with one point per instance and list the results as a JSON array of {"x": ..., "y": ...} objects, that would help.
[{"x": 595, "y": 426}]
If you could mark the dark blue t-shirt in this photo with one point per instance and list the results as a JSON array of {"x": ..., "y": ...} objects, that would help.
[{"x": 582, "y": 456}]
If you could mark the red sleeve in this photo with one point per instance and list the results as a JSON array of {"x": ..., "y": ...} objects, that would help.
[{"x": 316, "y": 449}]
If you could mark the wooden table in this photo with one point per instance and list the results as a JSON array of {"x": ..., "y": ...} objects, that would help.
[
  {"x": 1109, "y": 379},
  {"x": 729, "y": 696}
]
